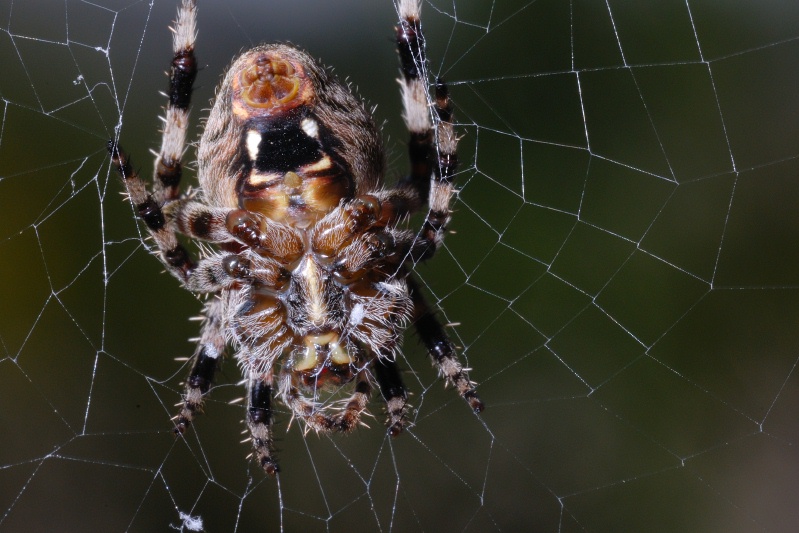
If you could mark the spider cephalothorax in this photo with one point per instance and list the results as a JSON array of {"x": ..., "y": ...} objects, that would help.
[{"x": 308, "y": 272}]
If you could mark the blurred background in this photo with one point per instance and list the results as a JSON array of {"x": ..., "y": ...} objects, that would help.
[{"x": 622, "y": 275}]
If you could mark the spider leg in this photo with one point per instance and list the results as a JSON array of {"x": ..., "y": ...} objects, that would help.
[
  {"x": 314, "y": 417},
  {"x": 171, "y": 253},
  {"x": 432, "y": 151},
  {"x": 349, "y": 417},
  {"x": 441, "y": 189},
  {"x": 181, "y": 79},
  {"x": 206, "y": 360},
  {"x": 433, "y": 158},
  {"x": 300, "y": 406},
  {"x": 217, "y": 225},
  {"x": 259, "y": 421},
  {"x": 394, "y": 393},
  {"x": 224, "y": 225},
  {"x": 218, "y": 272},
  {"x": 440, "y": 348},
  {"x": 413, "y": 85},
  {"x": 168, "y": 170}
]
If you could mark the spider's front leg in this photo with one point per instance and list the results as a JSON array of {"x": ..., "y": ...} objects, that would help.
[
  {"x": 394, "y": 394},
  {"x": 441, "y": 349},
  {"x": 259, "y": 421}
]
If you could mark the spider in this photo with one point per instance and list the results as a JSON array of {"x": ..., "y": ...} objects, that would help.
[{"x": 305, "y": 259}]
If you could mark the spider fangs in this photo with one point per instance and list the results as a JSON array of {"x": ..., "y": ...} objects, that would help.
[{"x": 307, "y": 274}]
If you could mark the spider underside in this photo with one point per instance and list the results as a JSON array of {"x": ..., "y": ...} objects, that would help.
[{"x": 307, "y": 264}]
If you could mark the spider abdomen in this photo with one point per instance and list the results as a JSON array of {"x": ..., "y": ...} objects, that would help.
[{"x": 291, "y": 173}]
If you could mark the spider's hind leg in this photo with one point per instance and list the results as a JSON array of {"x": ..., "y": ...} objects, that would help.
[{"x": 206, "y": 360}]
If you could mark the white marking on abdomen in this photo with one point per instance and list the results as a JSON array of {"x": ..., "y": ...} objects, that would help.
[
  {"x": 310, "y": 127},
  {"x": 253, "y": 140}
]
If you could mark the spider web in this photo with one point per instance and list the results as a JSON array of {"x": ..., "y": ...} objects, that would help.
[{"x": 622, "y": 277}]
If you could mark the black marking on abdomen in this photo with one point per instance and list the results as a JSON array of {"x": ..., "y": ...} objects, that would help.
[{"x": 285, "y": 146}]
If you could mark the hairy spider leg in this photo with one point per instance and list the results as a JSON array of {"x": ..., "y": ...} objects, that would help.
[
  {"x": 168, "y": 161},
  {"x": 259, "y": 421},
  {"x": 157, "y": 209},
  {"x": 209, "y": 352},
  {"x": 183, "y": 71},
  {"x": 413, "y": 87},
  {"x": 441, "y": 350},
  {"x": 166, "y": 188},
  {"x": 433, "y": 160},
  {"x": 432, "y": 150},
  {"x": 316, "y": 419},
  {"x": 394, "y": 393}
]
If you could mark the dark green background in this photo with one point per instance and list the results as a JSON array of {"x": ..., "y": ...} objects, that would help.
[{"x": 624, "y": 274}]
